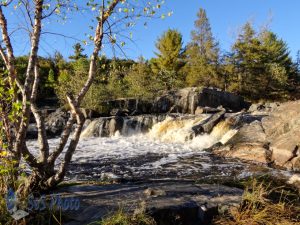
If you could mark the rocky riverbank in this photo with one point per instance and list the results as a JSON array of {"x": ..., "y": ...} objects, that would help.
[
  {"x": 267, "y": 133},
  {"x": 155, "y": 152},
  {"x": 264, "y": 133},
  {"x": 168, "y": 202}
]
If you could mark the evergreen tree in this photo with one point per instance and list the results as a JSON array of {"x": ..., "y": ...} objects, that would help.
[
  {"x": 279, "y": 65},
  {"x": 169, "y": 59},
  {"x": 78, "y": 52},
  {"x": 51, "y": 79},
  {"x": 248, "y": 58},
  {"x": 262, "y": 65},
  {"x": 202, "y": 54}
]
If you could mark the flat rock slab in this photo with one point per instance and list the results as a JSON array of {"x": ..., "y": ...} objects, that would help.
[{"x": 169, "y": 202}]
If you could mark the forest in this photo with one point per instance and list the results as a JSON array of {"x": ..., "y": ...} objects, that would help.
[
  {"x": 258, "y": 66},
  {"x": 197, "y": 133}
]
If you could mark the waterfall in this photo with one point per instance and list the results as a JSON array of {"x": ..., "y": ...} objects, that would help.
[
  {"x": 174, "y": 128},
  {"x": 178, "y": 129},
  {"x": 125, "y": 126}
]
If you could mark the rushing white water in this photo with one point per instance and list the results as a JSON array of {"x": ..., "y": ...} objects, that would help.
[
  {"x": 169, "y": 138},
  {"x": 169, "y": 149}
]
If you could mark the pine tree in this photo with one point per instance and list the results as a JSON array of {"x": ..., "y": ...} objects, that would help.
[
  {"x": 169, "y": 59},
  {"x": 279, "y": 65},
  {"x": 202, "y": 54},
  {"x": 78, "y": 52},
  {"x": 248, "y": 62},
  {"x": 262, "y": 65}
]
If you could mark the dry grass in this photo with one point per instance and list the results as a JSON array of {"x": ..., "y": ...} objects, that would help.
[
  {"x": 121, "y": 218},
  {"x": 258, "y": 209}
]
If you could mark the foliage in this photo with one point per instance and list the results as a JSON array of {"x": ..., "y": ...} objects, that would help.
[
  {"x": 141, "y": 81},
  {"x": 78, "y": 52},
  {"x": 202, "y": 55},
  {"x": 262, "y": 65},
  {"x": 109, "y": 82},
  {"x": 169, "y": 59},
  {"x": 11, "y": 176}
]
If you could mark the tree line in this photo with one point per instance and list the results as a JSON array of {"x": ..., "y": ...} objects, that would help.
[{"x": 258, "y": 66}]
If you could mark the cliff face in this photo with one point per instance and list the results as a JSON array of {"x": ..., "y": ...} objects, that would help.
[{"x": 181, "y": 101}]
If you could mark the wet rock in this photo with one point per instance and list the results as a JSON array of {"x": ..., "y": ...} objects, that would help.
[
  {"x": 56, "y": 122},
  {"x": 108, "y": 126},
  {"x": 249, "y": 133},
  {"x": 255, "y": 152},
  {"x": 174, "y": 202},
  {"x": 115, "y": 124}
]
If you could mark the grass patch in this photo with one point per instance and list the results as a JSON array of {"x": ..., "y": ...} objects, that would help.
[
  {"x": 259, "y": 207},
  {"x": 122, "y": 218}
]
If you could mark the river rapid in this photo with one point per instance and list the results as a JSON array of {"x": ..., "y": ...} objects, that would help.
[{"x": 166, "y": 151}]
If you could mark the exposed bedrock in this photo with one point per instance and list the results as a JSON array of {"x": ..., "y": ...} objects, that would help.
[
  {"x": 273, "y": 136},
  {"x": 169, "y": 203},
  {"x": 184, "y": 100}
]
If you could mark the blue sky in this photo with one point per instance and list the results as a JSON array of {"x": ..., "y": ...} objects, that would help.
[{"x": 226, "y": 17}]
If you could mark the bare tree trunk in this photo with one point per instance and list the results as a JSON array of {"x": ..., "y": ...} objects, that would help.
[
  {"x": 43, "y": 174},
  {"x": 75, "y": 103},
  {"x": 26, "y": 105}
]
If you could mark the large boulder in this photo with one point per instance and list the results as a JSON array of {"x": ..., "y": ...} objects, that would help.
[
  {"x": 249, "y": 143},
  {"x": 271, "y": 138},
  {"x": 55, "y": 122},
  {"x": 187, "y": 100},
  {"x": 214, "y": 97},
  {"x": 282, "y": 128},
  {"x": 184, "y": 100}
]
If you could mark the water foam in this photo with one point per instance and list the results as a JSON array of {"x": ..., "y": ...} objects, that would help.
[{"x": 172, "y": 139}]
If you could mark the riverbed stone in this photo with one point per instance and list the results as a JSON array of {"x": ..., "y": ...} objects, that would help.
[{"x": 174, "y": 202}]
